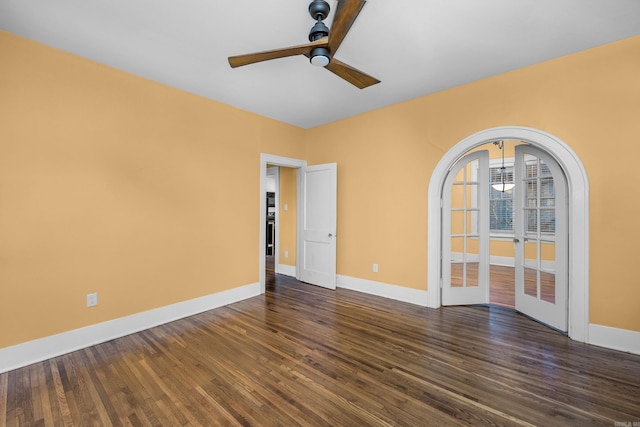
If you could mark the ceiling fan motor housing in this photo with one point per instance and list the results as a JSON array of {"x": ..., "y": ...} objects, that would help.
[
  {"x": 318, "y": 31},
  {"x": 319, "y": 10}
]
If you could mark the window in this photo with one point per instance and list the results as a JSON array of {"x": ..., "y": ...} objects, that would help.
[
  {"x": 500, "y": 203},
  {"x": 538, "y": 179}
]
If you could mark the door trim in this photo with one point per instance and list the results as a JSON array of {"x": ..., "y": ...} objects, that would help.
[
  {"x": 578, "y": 198},
  {"x": 275, "y": 161}
]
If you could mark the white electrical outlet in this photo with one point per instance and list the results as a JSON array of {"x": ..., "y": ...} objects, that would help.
[
  {"x": 286, "y": 207},
  {"x": 375, "y": 268},
  {"x": 92, "y": 299},
  {"x": 286, "y": 254}
]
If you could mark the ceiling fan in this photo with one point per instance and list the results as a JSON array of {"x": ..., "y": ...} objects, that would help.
[{"x": 323, "y": 44}]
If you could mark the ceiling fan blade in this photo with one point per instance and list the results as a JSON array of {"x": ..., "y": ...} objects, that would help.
[
  {"x": 252, "y": 58},
  {"x": 346, "y": 13},
  {"x": 350, "y": 74}
]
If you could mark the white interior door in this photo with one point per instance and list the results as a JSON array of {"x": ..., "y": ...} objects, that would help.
[
  {"x": 541, "y": 237},
  {"x": 317, "y": 242},
  {"x": 465, "y": 232}
]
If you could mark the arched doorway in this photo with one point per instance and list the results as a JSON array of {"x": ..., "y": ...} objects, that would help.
[{"x": 578, "y": 200}]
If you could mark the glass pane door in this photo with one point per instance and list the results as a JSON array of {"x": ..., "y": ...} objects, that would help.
[
  {"x": 541, "y": 237},
  {"x": 465, "y": 232}
]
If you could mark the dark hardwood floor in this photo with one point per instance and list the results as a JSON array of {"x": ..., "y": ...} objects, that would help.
[
  {"x": 502, "y": 286},
  {"x": 502, "y": 283},
  {"x": 304, "y": 355}
]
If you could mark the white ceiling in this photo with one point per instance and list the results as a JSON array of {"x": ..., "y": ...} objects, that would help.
[{"x": 415, "y": 47}]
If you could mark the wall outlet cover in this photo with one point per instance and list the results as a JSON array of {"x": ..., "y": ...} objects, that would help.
[{"x": 92, "y": 299}]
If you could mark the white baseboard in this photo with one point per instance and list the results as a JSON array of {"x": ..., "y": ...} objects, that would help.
[
  {"x": 41, "y": 349},
  {"x": 504, "y": 261},
  {"x": 399, "y": 293},
  {"x": 287, "y": 270},
  {"x": 614, "y": 338},
  {"x": 27, "y": 353}
]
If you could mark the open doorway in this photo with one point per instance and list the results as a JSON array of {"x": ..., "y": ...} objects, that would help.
[
  {"x": 502, "y": 277},
  {"x": 515, "y": 211},
  {"x": 268, "y": 160},
  {"x": 272, "y": 184},
  {"x": 480, "y": 264},
  {"x": 281, "y": 220},
  {"x": 537, "y": 205},
  {"x": 547, "y": 149},
  {"x": 315, "y": 222}
]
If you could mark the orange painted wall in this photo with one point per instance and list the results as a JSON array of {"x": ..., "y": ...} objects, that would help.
[
  {"x": 590, "y": 100},
  {"x": 114, "y": 184},
  {"x": 288, "y": 189}
]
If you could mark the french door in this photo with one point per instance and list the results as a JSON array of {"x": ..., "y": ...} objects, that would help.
[
  {"x": 465, "y": 232},
  {"x": 540, "y": 237}
]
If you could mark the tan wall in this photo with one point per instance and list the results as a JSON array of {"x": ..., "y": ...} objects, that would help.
[
  {"x": 288, "y": 188},
  {"x": 114, "y": 184},
  {"x": 385, "y": 158}
]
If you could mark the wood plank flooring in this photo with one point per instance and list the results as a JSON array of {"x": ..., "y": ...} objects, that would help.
[
  {"x": 502, "y": 283},
  {"x": 502, "y": 286},
  {"x": 304, "y": 355}
]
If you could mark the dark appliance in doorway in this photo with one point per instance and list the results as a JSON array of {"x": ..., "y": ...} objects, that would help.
[{"x": 271, "y": 223}]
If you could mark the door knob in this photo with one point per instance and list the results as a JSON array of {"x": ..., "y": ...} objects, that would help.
[
  {"x": 330, "y": 235},
  {"x": 516, "y": 240}
]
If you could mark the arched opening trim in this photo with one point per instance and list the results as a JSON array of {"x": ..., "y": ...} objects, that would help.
[{"x": 578, "y": 199}]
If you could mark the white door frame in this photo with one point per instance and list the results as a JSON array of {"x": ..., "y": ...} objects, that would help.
[
  {"x": 275, "y": 161},
  {"x": 578, "y": 196}
]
